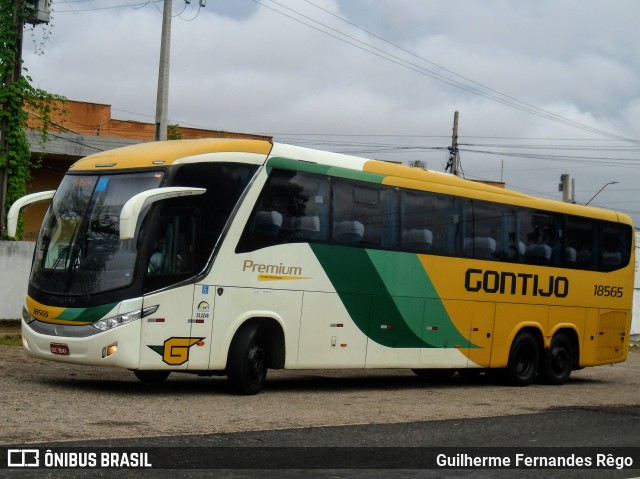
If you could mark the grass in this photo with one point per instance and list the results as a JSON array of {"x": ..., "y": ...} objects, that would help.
[
  {"x": 10, "y": 333},
  {"x": 10, "y": 342}
]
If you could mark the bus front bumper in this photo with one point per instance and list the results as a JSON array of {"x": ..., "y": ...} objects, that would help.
[{"x": 119, "y": 347}]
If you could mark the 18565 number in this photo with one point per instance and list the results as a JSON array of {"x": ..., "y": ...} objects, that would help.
[{"x": 607, "y": 291}]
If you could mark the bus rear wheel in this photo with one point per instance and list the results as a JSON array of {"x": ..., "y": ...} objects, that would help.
[
  {"x": 247, "y": 363},
  {"x": 557, "y": 362},
  {"x": 524, "y": 360}
]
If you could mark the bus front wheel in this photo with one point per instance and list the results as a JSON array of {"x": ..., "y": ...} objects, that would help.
[
  {"x": 151, "y": 377},
  {"x": 524, "y": 360},
  {"x": 247, "y": 363},
  {"x": 557, "y": 362}
]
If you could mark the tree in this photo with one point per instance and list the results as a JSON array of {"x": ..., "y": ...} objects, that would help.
[{"x": 16, "y": 93}]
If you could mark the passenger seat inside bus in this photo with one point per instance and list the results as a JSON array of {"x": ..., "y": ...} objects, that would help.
[
  {"x": 417, "y": 239},
  {"x": 484, "y": 247},
  {"x": 570, "y": 255},
  {"x": 348, "y": 232},
  {"x": 611, "y": 259},
  {"x": 267, "y": 223},
  {"x": 301, "y": 228},
  {"x": 309, "y": 226}
]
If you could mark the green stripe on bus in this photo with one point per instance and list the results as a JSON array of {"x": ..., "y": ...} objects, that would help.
[
  {"x": 88, "y": 315},
  {"x": 388, "y": 295},
  {"x": 415, "y": 295},
  {"x": 336, "y": 171}
]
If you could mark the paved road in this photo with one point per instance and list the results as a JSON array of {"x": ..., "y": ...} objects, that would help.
[
  {"x": 381, "y": 413},
  {"x": 587, "y": 431}
]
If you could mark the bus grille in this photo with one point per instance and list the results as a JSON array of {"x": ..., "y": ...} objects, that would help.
[{"x": 612, "y": 335}]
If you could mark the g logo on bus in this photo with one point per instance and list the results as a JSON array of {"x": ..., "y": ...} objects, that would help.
[{"x": 175, "y": 351}]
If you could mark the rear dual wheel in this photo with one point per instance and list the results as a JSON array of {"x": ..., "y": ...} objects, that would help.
[
  {"x": 558, "y": 360},
  {"x": 524, "y": 360}
]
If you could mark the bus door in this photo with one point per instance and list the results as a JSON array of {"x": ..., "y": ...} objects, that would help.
[
  {"x": 177, "y": 334},
  {"x": 167, "y": 341}
]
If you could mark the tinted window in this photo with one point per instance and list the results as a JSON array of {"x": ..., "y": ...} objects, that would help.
[
  {"x": 298, "y": 206},
  {"x": 293, "y": 207},
  {"x": 364, "y": 215}
]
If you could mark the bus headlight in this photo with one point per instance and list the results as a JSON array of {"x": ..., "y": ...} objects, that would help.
[
  {"x": 114, "y": 322},
  {"x": 26, "y": 315}
]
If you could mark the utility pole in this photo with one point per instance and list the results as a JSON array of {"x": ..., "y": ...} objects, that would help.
[
  {"x": 162, "y": 101},
  {"x": 454, "y": 157},
  {"x": 564, "y": 187}
]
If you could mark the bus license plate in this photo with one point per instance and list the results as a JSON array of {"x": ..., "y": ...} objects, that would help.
[{"x": 59, "y": 348}]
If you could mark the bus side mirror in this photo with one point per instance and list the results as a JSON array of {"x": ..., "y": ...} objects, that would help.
[
  {"x": 134, "y": 205},
  {"x": 20, "y": 204}
]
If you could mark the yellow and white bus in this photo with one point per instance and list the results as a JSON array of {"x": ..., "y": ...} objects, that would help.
[{"x": 231, "y": 257}]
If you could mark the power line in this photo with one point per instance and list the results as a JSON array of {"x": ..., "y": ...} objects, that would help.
[
  {"x": 492, "y": 94},
  {"x": 110, "y": 7},
  {"x": 621, "y": 162}
]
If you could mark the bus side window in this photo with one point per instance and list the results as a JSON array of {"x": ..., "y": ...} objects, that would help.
[
  {"x": 225, "y": 183},
  {"x": 541, "y": 237},
  {"x": 292, "y": 207},
  {"x": 307, "y": 213},
  {"x": 174, "y": 249},
  {"x": 509, "y": 245},
  {"x": 417, "y": 233},
  {"x": 429, "y": 222},
  {"x": 364, "y": 214},
  {"x": 615, "y": 244},
  {"x": 486, "y": 230},
  {"x": 579, "y": 243},
  {"x": 267, "y": 223}
]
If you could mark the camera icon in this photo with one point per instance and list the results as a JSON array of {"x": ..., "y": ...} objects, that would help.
[{"x": 23, "y": 458}]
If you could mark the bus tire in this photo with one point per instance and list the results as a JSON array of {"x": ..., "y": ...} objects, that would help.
[
  {"x": 151, "y": 377},
  {"x": 247, "y": 363},
  {"x": 557, "y": 361},
  {"x": 524, "y": 360}
]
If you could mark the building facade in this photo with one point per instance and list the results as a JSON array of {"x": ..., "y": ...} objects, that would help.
[{"x": 79, "y": 129}]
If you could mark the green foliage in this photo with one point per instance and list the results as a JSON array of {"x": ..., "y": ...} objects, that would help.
[
  {"x": 15, "y": 95},
  {"x": 174, "y": 132}
]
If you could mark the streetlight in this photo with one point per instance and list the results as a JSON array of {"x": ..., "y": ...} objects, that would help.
[{"x": 600, "y": 190}]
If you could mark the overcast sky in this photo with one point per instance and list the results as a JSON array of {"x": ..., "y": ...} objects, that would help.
[{"x": 543, "y": 87}]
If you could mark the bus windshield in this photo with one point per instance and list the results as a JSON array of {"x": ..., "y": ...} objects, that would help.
[{"x": 79, "y": 251}]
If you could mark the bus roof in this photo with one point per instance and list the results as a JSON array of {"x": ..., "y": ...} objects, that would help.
[
  {"x": 164, "y": 153},
  {"x": 405, "y": 176},
  {"x": 395, "y": 174}
]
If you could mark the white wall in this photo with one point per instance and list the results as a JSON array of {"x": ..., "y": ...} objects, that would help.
[
  {"x": 635, "y": 319},
  {"x": 15, "y": 265}
]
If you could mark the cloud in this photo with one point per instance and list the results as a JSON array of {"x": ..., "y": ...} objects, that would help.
[{"x": 240, "y": 66}]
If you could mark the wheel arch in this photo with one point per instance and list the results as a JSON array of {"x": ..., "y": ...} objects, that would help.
[
  {"x": 500, "y": 360},
  {"x": 535, "y": 331},
  {"x": 271, "y": 332}
]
